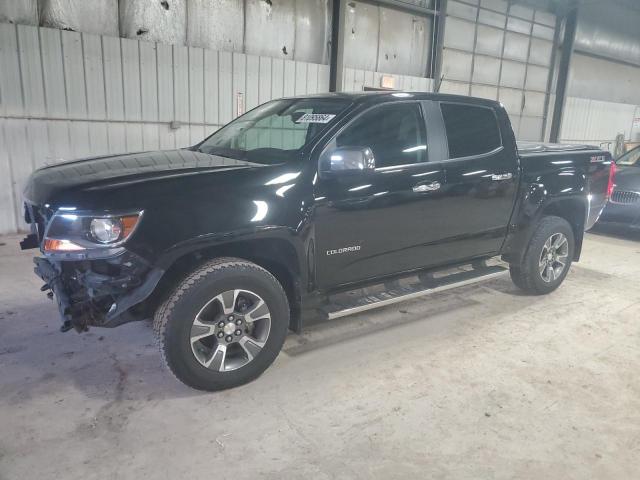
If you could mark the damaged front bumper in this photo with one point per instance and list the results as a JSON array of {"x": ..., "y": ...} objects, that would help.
[{"x": 105, "y": 292}]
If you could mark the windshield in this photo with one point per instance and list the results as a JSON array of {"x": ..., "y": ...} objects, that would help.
[
  {"x": 631, "y": 158},
  {"x": 275, "y": 132}
]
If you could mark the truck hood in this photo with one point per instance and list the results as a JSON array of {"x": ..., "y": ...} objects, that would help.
[{"x": 101, "y": 173}]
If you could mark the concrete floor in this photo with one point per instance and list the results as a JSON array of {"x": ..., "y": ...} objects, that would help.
[{"x": 481, "y": 382}]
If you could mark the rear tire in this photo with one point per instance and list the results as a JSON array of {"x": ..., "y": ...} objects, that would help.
[
  {"x": 547, "y": 259},
  {"x": 223, "y": 325}
]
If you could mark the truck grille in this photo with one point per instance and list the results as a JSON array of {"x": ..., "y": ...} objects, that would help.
[{"x": 625, "y": 198}]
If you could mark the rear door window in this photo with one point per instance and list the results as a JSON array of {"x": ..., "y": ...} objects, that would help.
[{"x": 471, "y": 130}]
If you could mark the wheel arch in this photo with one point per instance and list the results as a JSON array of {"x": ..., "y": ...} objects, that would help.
[
  {"x": 537, "y": 205},
  {"x": 574, "y": 211},
  {"x": 276, "y": 255}
]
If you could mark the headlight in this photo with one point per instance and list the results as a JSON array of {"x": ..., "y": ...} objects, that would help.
[
  {"x": 72, "y": 232},
  {"x": 106, "y": 230}
]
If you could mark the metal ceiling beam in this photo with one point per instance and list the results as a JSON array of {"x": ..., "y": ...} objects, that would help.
[
  {"x": 404, "y": 5},
  {"x": 437, "y": 44},
  {"x": 336, "y": 63},
  {"x": 570, "y": 24}
]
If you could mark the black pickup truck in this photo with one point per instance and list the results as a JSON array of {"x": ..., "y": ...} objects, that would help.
[{"x": 265, "y": 225}]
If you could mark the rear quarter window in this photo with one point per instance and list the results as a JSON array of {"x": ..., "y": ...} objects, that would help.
[{"x": 471, "y": 130}]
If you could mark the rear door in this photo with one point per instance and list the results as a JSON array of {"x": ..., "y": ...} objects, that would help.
[{"x": 481, "y": 170}]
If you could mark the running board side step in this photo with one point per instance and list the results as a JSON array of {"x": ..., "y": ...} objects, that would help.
[{"x": 350, "y": 303}]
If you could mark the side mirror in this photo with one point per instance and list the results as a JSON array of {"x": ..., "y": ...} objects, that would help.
[{"x": 348, "y": 159}]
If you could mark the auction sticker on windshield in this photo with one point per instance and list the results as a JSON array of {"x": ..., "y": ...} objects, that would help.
[{"x": 315, "y": 118}]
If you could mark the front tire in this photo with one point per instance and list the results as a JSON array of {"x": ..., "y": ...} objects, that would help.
[
  {"x": 548, "y": 257},
  {"x": 223, "y": 325}
]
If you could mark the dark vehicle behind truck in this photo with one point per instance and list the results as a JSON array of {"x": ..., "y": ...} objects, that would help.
[
  {"x": 623, "y": 208},
  {"x": 264, "y": 226}
]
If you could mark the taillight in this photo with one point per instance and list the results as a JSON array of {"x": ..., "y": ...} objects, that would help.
[{"x": 612, "y": 177}]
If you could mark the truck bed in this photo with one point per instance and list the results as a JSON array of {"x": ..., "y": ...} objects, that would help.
[
  {"x": 533, "y": 148},
  {"x": 539, "y": 158}
]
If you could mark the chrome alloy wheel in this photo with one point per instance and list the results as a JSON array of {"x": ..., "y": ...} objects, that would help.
[
  {"x": 230, "y": 330},
  {"x": 553, "y": 258}
]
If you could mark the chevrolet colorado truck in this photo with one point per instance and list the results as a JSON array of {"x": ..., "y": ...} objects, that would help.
[{"x": 304, "y": 209}]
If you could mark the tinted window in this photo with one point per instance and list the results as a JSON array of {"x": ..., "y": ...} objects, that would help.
[
  {"x": 395, "y": 133},
  {"x": 630, "y": 158},
  {"x": 470, "y": 130}
]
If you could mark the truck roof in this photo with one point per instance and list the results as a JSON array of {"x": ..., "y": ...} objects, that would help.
[{"x": 382, "y": 96}]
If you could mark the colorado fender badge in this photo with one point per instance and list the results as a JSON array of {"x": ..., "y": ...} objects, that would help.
[{"x": 354, "y": 248}]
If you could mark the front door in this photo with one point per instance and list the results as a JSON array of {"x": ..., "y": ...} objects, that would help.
[{"x": 383, "y": 221}]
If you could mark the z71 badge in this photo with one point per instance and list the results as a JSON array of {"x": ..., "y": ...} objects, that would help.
[{"x": 354, "y": 248}]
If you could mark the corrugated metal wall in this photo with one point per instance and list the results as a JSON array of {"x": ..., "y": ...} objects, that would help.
[
  {"x": 603, "y": 98},
  {"x": 288, "y": 29},
  {"x": 354, "y": 80},
  {"x": 502, "y": 51},
  {"x": 382, "y": 39},
  {"x": 66, "y": 95}
]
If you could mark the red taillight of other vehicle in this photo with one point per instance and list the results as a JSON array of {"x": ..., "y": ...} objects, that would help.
[{"x": 612, "y": 177}]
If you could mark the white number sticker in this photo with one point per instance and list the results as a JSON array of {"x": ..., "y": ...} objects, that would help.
[{"x": 315, "y": 118}]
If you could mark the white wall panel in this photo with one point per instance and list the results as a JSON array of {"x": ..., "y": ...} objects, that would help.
[
  {"x": 53, "y": 72},
  {"x": 492, "y": 18},
  {"x": 489, "y": 41},
  {"x": 505, "y": 54},
  {"x": 181, "y": 83},
  {"x": 19, "y": 11},
  {"x": 486, "y": 70},
  {"x": 73, "y": 62},
  {"x": 94, "y": 75},
  {"x": 457, "y": 65},
  {"x": 65, "y": 95},
  {"x": 38, "y": 138},
  {"x": 513, "y": 74},
  {"x": 541, "y": 52},
  {"x": 516, "y": 46},
  {"x": 588, "y": 75},
  {"x": 10, "y": 84},
  {"x": 596, "y": 121},
  {"x": 537, "y": 78},
  {"x": 511, "y": 99},
  {"x": 31, "y": 70},
  {"x": 484, "y": 91},
  {"x": 462, "y": 10},
  {"x": 534, "y": 104},
  {"x": 114, "y": 93},
  {"x": 454, "y": 88},
  {"x": 8, "y": 212},
  {"x": 354, "y": 80},
  {"x": 196, "y": 85},
  {"x": 459, "y": 34},
  {"x": 211, "y": 98},
  {"x": 530, "y": 128},
  {"x": 148, "y": 81}
]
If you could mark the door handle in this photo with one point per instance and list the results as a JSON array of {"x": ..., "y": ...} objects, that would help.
[
  {"x": 502, "y": 176},
  {"x": 427, "y": 187}
]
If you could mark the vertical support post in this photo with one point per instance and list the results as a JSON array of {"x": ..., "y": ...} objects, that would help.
[
  {"x": 552, "y": 69},
  {"x": 435, "y": 65},
  {"x": 336, "y": 64},
  {"x": 570, "y": 24}
]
